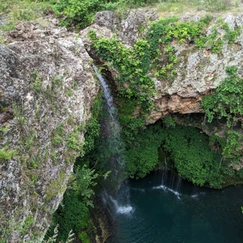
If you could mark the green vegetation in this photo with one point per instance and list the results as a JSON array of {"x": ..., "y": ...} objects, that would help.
[
  {"x": 36, "y": 84},
  {"x": 192, "y": 156},
  {"x": 73, "y": 213},
  {"x": 132, "y": 65},
  {"x": 73, "y": 141},
  {"x": 227, "y": 104},
  {"x": 6, "y": 153},
  {"x": 56, "y": 140},
  {"x": 142, "y": 154},
  {"x": 189, "y": 149},
  {"x": 15, "y": 11},
  {"x": 81, "y": 13},
  {"x": 167, "y": 30},
  {"x": 155, "y": 55}
]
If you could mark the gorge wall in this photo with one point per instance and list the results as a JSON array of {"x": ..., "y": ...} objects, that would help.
[
  {"x": 199, "y": 71},
  {"x": 46, "y": 91},
  {"x": 159, "y": 67}
]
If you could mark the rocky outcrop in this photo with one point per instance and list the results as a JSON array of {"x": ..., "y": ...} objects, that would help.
[
  {"x": 198, "y": 71},
  {"x": 46, "y": 91}
]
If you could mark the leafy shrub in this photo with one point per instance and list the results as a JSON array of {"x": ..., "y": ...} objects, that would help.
[
  {"x": 227, "y": 102},
  {"x": 78, "y": 13},
  {"x": 142, "y": 154},
  {"x": 192, "y": 156},
  {"x": 73, "y": 213},
  {"x": 56, "y": 140},
  {"x": 84, "y": 237}
]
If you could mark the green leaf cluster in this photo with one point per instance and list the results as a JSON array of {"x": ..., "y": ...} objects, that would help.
[
  {"x": 132, "y": 65},
  {"x": 81, "y": 13},
  {"x": 227, "y": 101},
  {"x": 142, "y": 152},
  {"x": 193, "y": 158},
  {"x": 230, "y": 35},
  {"x": 6, "y": 153},
  {"x": 92, "y": 129},
  {"x": 71, "y": 214}
]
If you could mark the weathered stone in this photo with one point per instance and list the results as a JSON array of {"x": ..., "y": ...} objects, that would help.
[
  {"x": 128, "y": 29},
  {"x": 199, "y": 71},
  {"x": 46, "y": 81}
]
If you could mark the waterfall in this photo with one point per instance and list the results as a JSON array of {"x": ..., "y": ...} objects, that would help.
[
  {"x": 164, "y": 172},
  {"x": 114, "y": 195},
  {"x": 171, "y": 183}
]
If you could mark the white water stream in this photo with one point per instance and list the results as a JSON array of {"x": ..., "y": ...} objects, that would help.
[{"x": 120, "y": 202}]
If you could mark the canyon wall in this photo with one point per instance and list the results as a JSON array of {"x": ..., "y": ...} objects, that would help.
[
  {"x": 199, "y": 71},
  {"x": 46, "y": 91}
]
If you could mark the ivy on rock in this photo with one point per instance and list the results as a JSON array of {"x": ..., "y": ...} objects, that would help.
[{"x": 227, "y": 104}]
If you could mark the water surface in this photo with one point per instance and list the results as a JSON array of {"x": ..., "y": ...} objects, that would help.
[{"x": 172, "y": 210}]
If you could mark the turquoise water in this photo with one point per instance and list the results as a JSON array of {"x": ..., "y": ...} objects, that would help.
[{"x": 176, "y": 211}]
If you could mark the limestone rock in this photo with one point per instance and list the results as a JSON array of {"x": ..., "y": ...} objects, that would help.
[
  {"x": 199, "y": 71},
  {"x": 46, "y": 90}
]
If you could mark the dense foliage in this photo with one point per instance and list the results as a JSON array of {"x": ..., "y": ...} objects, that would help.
[
  {"x": 142, "y": 154},
  {"x": 154, "y": 56},
  {"x": 81, "y": 13},
  {"x": 192, "y": 155},
  {"x": 73, "y": 214},
  {"x": 189, "y": 149},
  {"x": 227, "y": 104},
  {"x": 132, "y": 64}
]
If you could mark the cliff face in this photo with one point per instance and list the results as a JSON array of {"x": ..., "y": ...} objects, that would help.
[
  {"x": 198, "y": 70},
  {"x": 46, "y": 91}
]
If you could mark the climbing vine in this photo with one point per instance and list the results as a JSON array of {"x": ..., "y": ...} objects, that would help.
[
  {"x": 132, "y": 65},
  {"x": 227, "y": 104}
]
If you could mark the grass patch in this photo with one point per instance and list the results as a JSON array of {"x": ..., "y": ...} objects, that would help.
[
  {"x": 179, "y": 6},
  {"x": 6, "y": 154},
  {"x": 15, "y": 11}
]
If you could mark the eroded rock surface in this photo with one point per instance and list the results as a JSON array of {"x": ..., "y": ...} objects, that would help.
[
  {"x": 199, "y": 71},
  {"x": 47, "y": 87}
]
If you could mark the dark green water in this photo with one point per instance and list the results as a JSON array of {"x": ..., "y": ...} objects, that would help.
[{"x": 195, "y": 215}]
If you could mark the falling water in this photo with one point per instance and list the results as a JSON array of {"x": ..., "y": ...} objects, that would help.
[
  {"x": 170, "y": 182},
  {"x": 108, "y": 96},
  {"x": 172, "y": 179},
  {"x": 178, "y": 184},
  {"x": 164, "y": 172},
  {"x": 115, "y": 196}
]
